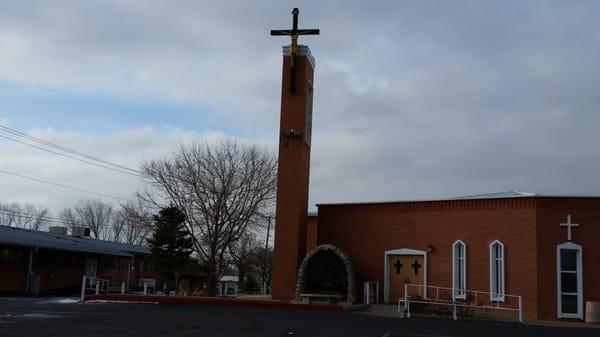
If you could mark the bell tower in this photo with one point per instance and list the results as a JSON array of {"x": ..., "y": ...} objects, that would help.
[{"x": 295, "y": 130}]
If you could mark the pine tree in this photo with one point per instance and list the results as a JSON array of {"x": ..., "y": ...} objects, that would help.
[{"x": 171, "y": 244}]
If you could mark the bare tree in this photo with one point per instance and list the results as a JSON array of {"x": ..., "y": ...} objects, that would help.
[
  {"x": 222, "y": 188},
  {"x": 23, "y": 216},
  {"x": 137, "y": 223},
  {"x": 8, "y": 217},
  {"x": 70, "y": 218},
  {"x": 243, "y": 256},
  {"x": 130, "y": 223},
  {"x": 118, "y": 222},
  {"x": 97, "y": 215},
  {"x": 38, "y": 216},
  {"x": 264, "y": 256}
]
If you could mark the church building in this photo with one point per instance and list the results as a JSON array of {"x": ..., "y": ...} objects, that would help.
[
  {"x": 512, "y": 249},
  {"x": 543, "y": 248}
]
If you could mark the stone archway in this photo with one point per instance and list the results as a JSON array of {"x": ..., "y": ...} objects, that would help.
[{"x": 327, "y": 270}]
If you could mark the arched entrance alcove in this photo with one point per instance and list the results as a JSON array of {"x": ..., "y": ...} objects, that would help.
[{"x": 326, "y": 270}]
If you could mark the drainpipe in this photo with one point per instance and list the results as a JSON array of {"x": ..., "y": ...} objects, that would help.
[
  {"x": 129, "y": 264},
  {"x": 29, "y": 271}
]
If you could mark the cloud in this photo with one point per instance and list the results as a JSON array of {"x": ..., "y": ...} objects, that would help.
[
  {"x": 412, "y": 99},
  {"x": 128, "y": 147}
]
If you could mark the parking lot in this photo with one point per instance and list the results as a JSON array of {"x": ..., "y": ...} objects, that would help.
[{"x": 66, "y": 317}]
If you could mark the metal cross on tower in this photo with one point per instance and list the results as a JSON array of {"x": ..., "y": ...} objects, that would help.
[{"x": 294, "y": 33}]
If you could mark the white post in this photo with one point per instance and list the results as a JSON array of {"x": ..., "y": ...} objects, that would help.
[
  {"x": 406, "y": 301},
  {"x": 454, "y": 311},
  {"x": 97, "y": 287},
  {"x": 122, "y": 288},
  {"x": 520, "y": 309},
  {"x": 83, "y": 289},
  {"x": 145, "y": 288}
]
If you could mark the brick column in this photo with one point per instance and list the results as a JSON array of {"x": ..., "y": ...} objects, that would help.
[{"x": 293, "y": 172}]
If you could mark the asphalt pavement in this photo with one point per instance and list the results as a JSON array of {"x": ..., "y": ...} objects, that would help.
[{"x": 66, "y": 317}]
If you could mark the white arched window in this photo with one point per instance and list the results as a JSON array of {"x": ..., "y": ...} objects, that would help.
[
  {"x": 497, "y": 271},
  {"x": 459, "y": 270},
  {"x": 569, "y": 280}
]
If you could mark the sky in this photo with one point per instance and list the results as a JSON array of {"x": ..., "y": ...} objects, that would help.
[{"x": 413, "y": 99}]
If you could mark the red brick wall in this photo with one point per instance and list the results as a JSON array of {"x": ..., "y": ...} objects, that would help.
[
  {"x": 58, "y": 270},
  {"x": 113, "y": 268},
  {"x": 311, "y": 233},
  {"x": 62, "y": 270},
  {"x": 292, "y": 182},
  {"x": 145, "y": 271},
  {"x": 552, "y": 212},
  {"x": 14, "y": 280},
  {"x": 14, "y": 270},
  {"x": 366, "y": 231}
]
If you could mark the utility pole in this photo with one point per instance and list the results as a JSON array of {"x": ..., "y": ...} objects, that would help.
[{"x": 264, "y": 269}]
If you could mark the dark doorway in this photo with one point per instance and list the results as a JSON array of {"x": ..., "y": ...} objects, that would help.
[{"x": 326, "y": 274}]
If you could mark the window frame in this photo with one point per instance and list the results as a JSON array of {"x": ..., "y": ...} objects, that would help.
[
  {"x": 579, "y": 272},
  {"x": 459, "y": 291},
  {"x": 497, "y": 295}
]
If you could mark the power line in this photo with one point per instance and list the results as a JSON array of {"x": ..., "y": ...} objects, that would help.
[
  {"x": 13, "y": 212},
  {"x": 64, "y": 186},
  {"x": 53, "y": 220},
  {"x": 67, "y": 156},
  {"x": 71, "y": 157},
  {"x": 33, "y": 217},
  {"x": 44, "y": 217},
  {"x": 65, "y": 149}
]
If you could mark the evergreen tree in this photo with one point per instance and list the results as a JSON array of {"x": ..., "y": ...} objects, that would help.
[{"x": 171, "y": 244}]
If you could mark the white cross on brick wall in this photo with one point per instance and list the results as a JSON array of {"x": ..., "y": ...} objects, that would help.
[{"x": 569, "y": 225}]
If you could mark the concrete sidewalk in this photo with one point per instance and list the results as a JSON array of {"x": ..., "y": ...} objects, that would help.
[
  {"x": 391, "y": 310},
  {"x": 223, "y": 301}
]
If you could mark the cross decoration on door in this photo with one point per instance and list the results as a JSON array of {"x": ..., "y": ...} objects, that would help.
[
  {"x": 416, "y": 267},
  {"x": 398, "y": 265}
]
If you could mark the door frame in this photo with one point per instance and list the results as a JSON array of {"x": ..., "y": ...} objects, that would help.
[
  {"x": 88, "y": 264},
  {"x": 386, "y": 275}
]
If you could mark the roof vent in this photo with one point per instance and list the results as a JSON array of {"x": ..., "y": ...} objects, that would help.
[
  {"x": 60, "y": 230},
  {"x": 80, "y": 232}
]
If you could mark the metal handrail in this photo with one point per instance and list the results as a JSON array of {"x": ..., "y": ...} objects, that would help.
[
  {"x": 95, "y": 284},
  {"x": 459, "y": 302}
]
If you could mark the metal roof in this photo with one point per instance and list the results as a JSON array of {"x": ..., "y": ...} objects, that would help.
[
  {"x": 229, "y": 278},
  {"x": 507, "y": 194},
  {"x": 126, "y": 247},
  {"x": 497, "y": 195},
  {"x": 46, "y": 240}
]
